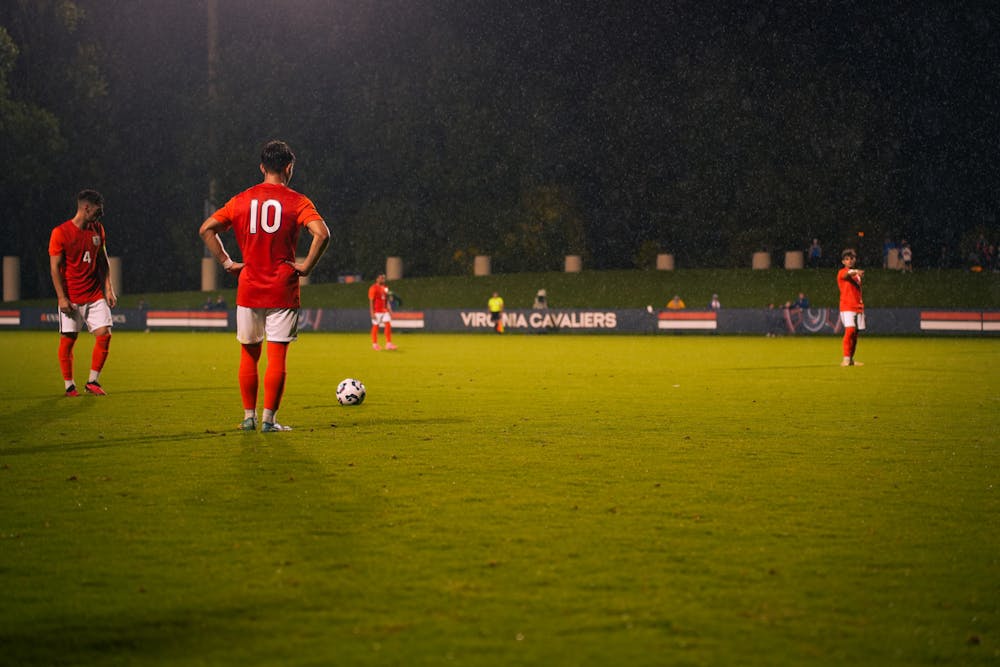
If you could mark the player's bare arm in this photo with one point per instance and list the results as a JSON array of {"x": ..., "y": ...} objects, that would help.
[
  {"x": 105, "y": 271},
  {"x": 55, "y": 268},
  {"x": 209, "y": 233},
  {"x": 320, "y": 241}
]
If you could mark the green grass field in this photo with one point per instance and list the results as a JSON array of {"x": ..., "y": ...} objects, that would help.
[{"x": 496, "y": 501}]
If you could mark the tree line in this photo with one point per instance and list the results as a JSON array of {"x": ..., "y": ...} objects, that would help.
[{"x": 439, "y": 131}]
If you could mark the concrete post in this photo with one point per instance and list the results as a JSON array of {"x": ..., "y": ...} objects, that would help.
[
  {"x": 794, "y": 259},
  {"x": 209, "y": 274},
  {"x": 481, "y": 265},
  {"x": 574, "y": 264},
  {"x": 761, "y": 260},
  {"x": 393, "y": 268},
  {"x": 11, "y": 278},
  {"x": 664, "y": 262}
]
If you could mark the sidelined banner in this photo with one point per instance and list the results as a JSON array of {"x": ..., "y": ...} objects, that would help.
[
  {"x": 10, "y": 318},
  {"x": 407, "y": 320},
  {"x": 190, "y": 319},
  {"x": 952, "y": 320},
  {"x": 687, "y": 320}
]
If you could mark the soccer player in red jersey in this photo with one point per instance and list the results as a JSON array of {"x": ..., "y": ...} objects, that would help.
[
  {"x": 852, "y": 308},
  {"x": 381, "y": 311},
  {"x": 266, "y": 220},
  {"x": 78, "y": 262}
]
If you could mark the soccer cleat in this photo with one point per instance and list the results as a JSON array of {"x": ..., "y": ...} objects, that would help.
[
  {"x": 95, "y": 389},
  {"x": 268, "y": 427},
  {"x": 376, "y": 347},
  {"x": 71, "y": 391},
  {"x": 248, "y": 424},
  {"x": 390, "y": 346}
]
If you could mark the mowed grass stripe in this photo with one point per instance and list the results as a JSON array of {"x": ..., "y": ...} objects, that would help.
[{"x": 505, "y": 500}]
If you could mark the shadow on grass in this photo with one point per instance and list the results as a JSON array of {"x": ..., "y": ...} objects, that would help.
[
  {"x": 101, "y": 442},
  {"x": 147, "y": 637}
]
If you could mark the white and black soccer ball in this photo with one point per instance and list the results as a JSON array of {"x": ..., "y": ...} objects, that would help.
[{"x": 350, "y": 392}]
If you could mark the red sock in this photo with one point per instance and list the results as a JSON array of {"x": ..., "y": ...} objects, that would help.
[
  {"x": 248, "y": 375},
  {"x": 100, "y": 354},
  {"x": 274, "y": 376},
  {"x": 388, "y": 332},
  {"x": 375, "y": 333},
  {"x": 850, "y": 341},
  {"x": 66, "y": 344}
]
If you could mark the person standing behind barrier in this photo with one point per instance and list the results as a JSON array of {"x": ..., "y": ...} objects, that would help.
[
  {"x": 266, "y": 220},
  {"x": 495, "y": 305},
  {"x": 815, "y": 253},
  {"x": 81, "y": 275},
  {"x": 380, "y": 309},
  {"x": 852, "y": 307}
]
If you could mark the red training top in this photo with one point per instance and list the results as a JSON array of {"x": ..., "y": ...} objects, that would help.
[
  {"x": 850, "y": 292},
  {"x": 80, "y": 248},
  {"x": 265, "y": 220},
  {"x": 377, "y": 294}
]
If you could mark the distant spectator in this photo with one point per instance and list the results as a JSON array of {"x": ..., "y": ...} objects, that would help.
[
  {"x": 906, "y": 256},
  {"x": 676, "y": 303},
  {"x": 887, "y": 247},
  {"x": 715, "y": 304},
  {"x": 541, "y": 300},
  {"x": 209, "y": 304},
  {"x": 220, "y": 303},
  {"x": 815, "y": 253},
  {"x": 981, "y": 250},
  {"x": 802, "y": 303}
]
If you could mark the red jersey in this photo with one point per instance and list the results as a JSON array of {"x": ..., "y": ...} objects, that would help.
[
  {"x": 80, "y": 249},
  {"x": 266, "y": 220},
  {"x": 850, "y": 292},
  {"x": 377, "y": 294}
]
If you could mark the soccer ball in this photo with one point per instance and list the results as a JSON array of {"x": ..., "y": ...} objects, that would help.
[{"x": 350, "y": 392}]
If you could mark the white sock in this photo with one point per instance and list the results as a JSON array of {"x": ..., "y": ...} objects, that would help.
[
  {"x": 94, "y": 375},
  {"x": 267, "y": 416},
  {"x": 247, "y": 414},
  {"x": 69, "y": 383}
]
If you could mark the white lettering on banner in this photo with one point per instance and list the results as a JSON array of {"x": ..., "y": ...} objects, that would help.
[{"x": 545, "y": 320}]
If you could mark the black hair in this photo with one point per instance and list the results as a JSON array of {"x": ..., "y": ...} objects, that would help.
[{"x": 276, "y": 155}]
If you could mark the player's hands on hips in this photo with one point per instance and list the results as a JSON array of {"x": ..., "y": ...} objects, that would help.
[
  {"x": 234, "y": 268},
  {"x": 300, "y": 268}
]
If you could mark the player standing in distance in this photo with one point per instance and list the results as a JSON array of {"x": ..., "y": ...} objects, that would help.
[
  {"x": 495, "y": 305},
  {"x": 266, "y": 220},
  {"x": 381, "y": 312},
  {"x": 78, "y": 262},
  {"x": 852, "y": 308}
]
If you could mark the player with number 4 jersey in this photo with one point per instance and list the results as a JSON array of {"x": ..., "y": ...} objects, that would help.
[{"x": 266, "y": 220}]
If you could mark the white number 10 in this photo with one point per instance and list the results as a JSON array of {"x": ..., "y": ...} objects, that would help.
[{"x": 270, "y": 215}]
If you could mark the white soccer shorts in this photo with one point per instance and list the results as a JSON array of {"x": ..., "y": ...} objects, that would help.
[
  {"x": 849, "y": 318},
  {"x": 279, "y": 325},
  {"x": 385, "y": 317},
  {"x": 94, "y": 315}
]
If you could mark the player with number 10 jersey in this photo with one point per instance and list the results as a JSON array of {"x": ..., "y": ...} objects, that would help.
[{"x": 266, "y": 220}]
